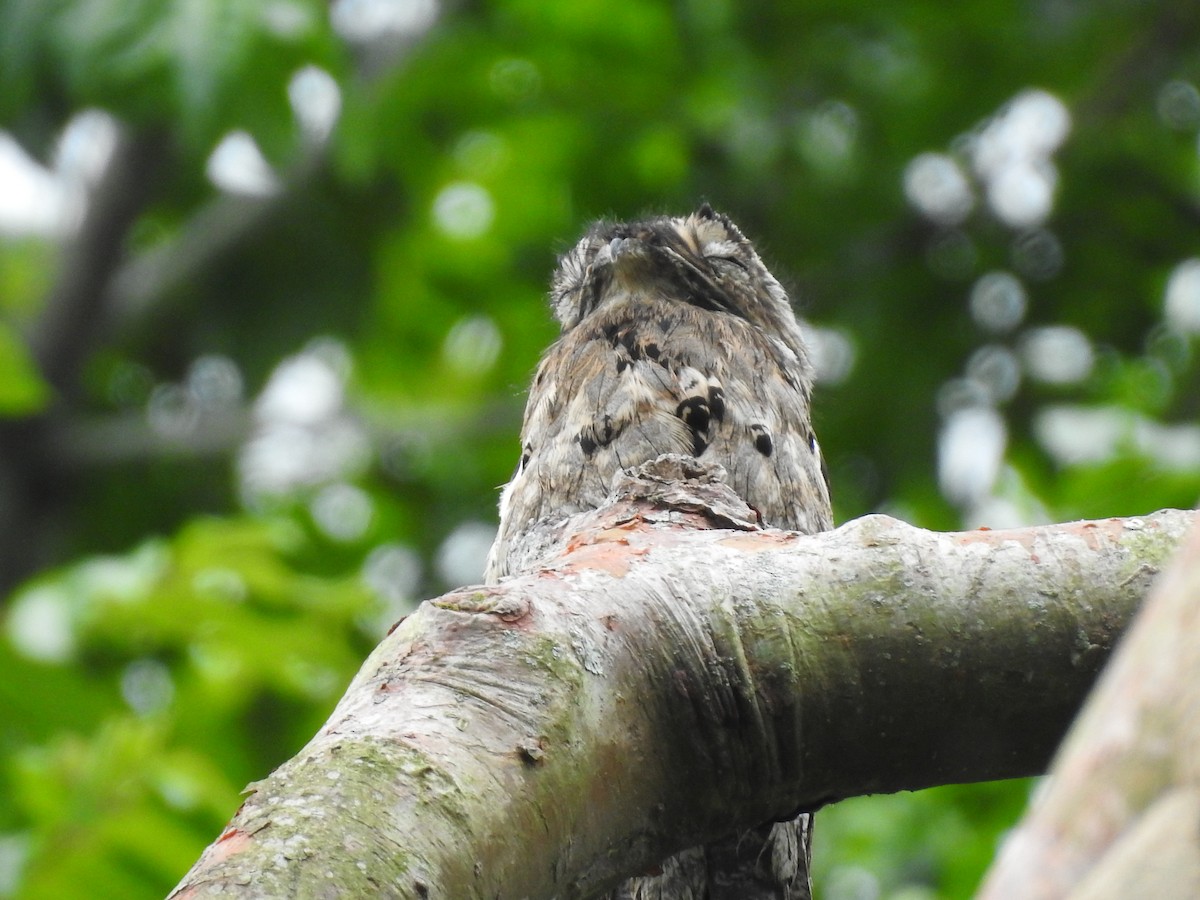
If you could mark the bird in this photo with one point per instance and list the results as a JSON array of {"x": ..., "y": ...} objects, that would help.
[{"x": 675, "y": 338}]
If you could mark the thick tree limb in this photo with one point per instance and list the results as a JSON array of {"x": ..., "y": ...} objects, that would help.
[
  {"x": 1120, "y": 815},
  {"x": 660, "y": 684}
]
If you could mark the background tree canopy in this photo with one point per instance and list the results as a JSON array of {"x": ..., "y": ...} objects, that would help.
[{"x": 271, "y": 287}]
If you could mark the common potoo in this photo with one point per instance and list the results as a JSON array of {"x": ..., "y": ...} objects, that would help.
[{"x": 675, "y": 339}]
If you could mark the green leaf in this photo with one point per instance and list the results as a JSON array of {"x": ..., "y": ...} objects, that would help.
[{"x": 22, "y": 390}]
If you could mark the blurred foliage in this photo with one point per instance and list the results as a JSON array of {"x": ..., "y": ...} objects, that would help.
[{"x": 251, "y": 414}]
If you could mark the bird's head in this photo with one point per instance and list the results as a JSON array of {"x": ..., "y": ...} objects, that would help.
[{"x": 702, "y": 259}]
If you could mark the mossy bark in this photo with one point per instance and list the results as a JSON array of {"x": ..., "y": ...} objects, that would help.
[{"x": 663, "y": 681}]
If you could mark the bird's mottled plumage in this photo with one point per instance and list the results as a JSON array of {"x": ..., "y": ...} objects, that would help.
[{"x": 675, "y": 339}]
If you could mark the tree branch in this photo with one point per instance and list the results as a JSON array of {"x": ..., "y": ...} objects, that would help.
[
  {"x": 75, "y": 313},
  {"x": 78, "y": 306},
  {"x": 1118, "y": 819},
  {"x": 664, "y": 681}
]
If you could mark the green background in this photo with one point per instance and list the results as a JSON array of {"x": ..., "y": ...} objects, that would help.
[{"x": 240, "y": 433}]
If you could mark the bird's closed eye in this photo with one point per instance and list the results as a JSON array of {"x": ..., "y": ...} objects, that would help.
[{"x": 727, "y": 260}]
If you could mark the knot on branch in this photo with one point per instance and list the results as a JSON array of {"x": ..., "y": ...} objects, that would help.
[
  {"x": 674, "y": 489},
  {"x": 685, "y": 484},
  {"x": 485, "y": 601}
]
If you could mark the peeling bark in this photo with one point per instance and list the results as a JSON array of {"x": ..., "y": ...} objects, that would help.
[{"x": 675, "y": 671}]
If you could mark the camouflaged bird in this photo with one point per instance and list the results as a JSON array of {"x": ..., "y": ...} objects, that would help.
[{"x": 675, "y": 339}]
